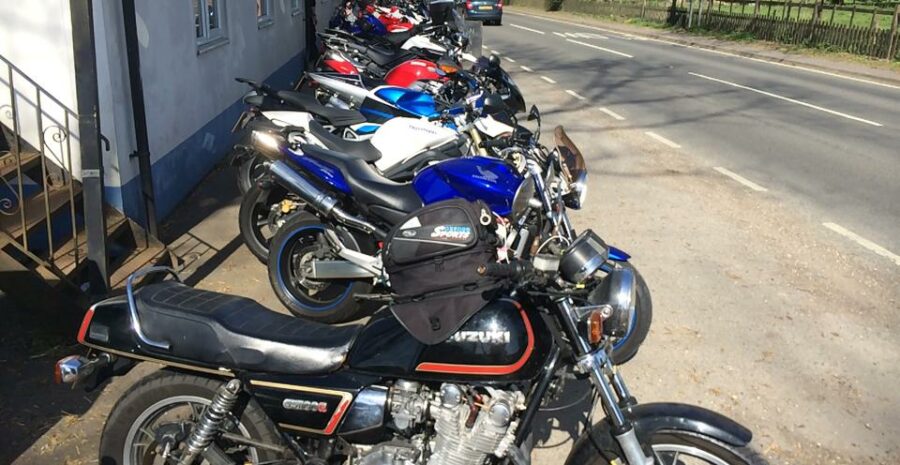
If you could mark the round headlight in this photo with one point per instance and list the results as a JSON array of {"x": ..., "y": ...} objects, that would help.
[
  {"x": 524, "y": 194},
  {"x": 617, "y": 292}
]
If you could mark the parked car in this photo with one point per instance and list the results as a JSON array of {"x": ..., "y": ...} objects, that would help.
[{"x": 486, "y": 11}]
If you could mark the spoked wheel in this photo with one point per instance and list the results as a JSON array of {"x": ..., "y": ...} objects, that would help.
[
  {"x": 152, "y": 421},
  {"x": 685, "y": 448},
  {"x": 682, "y": 448},
  {"x": 626, "y": 347},
  {"x": 263, "y": 211},
  {"x": 296, "y": 244}
]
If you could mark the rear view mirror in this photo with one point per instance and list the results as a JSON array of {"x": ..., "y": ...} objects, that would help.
[
  {"x": 534, "y": 114},
  {"x": 493, "y": 103}
]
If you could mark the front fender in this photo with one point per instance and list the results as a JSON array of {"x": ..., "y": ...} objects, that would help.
[{"x": 649, "y": 419}]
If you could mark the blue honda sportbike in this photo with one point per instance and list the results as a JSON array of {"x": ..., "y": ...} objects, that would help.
[{"x": 325, "y": 262}]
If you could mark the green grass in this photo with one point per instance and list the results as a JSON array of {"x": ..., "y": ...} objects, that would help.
[{"x": 805, "y": 13}]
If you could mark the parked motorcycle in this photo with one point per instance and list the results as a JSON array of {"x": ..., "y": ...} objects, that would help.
[
  {"x": 243, "y": 384},
  {"x": 323, "y": 259}
]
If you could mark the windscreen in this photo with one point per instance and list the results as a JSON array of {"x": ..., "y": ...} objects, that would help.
[{"x": 570, "y": 157}]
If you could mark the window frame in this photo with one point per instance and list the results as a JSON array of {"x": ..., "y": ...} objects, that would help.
[
  {"x": 267, "y": 19},
  {"x": 211, "y": 38},
  {"x": 296, "y": 7}
]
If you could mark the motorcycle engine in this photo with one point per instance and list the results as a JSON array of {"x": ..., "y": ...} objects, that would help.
[
  {"x": 468, "y": 430},
  {"x": 469, "y": 424}
]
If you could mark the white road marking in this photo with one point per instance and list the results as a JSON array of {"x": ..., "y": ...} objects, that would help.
[
  {"x": 788, "y": 99},
  {"x": 719, "y": 52},
  {"x": 863, "y": 242},
  {"x": 600, "y": 48},
  {"x": 740, "y": 179},
  {"x": 485, "y": 47},
  {"x": 526, "y": 69},
  {"x": 614, "y": 115},
  {"x": 663, "y": 140},
  {"x": 527, "y": 28},
  {"x": 509, "y": 59},
  {"x": 494, "y": 52},
  {"x": 574, "y": 94},
  {"x": 560, "y": 34},
  {"x": 551, "y": 81}
]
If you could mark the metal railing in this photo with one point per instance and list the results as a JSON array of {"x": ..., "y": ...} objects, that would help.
[{"x": 34, "y": 212}]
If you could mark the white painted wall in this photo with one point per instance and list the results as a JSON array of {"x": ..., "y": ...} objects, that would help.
[
  {"x": 183, "y": 89},
  {"x": 36, "y": 36}
]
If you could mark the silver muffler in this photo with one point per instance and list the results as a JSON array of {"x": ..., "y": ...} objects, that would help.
[{"x": 322, "y": 202}]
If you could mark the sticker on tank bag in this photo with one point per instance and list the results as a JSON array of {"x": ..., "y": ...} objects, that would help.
[{"x": 452, "y": 232}]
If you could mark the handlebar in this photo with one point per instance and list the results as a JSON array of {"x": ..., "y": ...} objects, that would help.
[{"x": 513, "y": 270}]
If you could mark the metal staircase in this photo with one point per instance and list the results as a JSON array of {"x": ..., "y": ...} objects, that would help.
[{"x": 43, "y": 212}]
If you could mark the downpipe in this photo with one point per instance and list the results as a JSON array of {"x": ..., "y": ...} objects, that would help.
[{"x": 321, "y": 201}]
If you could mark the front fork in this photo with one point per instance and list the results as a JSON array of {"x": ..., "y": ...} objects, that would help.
[{"x": 613, "y": 392}]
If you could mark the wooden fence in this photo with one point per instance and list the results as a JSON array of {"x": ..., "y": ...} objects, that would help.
[{"x": 777, "y": 21}]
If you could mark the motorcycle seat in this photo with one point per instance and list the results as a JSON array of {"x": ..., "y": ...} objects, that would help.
[
  {"x": 370, "y": 188},
  {"x": 363, "y": 150},
  {"x": 238, "y": 333},
  {"x": 398, "y": 38},
  {"x": 308, "y": 103},
  {"x": 384, "y": 56}
]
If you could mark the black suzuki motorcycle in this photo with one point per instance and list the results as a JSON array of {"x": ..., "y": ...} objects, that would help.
[{"x": 453, "y": 376}]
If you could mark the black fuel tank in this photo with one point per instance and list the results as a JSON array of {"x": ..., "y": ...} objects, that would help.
[{"x": 502, "y": 342}]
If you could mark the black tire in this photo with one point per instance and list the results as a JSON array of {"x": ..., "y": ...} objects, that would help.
[
  {"x": 726, "y": 453},
  {"x": 165, "y": 385},
  {"x": 249, "y": 169},
  {"x": 643, "y": 315},
  {"x": 336, "y": 304},
  {"x": 255, "y": 218}
]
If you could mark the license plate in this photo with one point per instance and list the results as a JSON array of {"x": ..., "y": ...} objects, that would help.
[
  {"x": 486, "y": 7},
  {"x": 242, "y": 121}
]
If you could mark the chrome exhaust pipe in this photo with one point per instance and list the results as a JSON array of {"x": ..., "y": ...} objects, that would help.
[{"x": 322, "y": 202}]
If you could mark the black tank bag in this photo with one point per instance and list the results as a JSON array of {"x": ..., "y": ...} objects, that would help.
[{"x": 432, "y": 257}]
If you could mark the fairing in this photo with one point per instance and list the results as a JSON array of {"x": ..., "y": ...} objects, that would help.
[
  {"x": 401, "y": 138},
  {"x": 413, "y": 102},
  {"x": 321, "y": 170},
  {"x": 409, "y": 72}
]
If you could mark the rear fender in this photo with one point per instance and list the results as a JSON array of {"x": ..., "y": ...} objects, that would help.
[{"x": 650, "y": 419}]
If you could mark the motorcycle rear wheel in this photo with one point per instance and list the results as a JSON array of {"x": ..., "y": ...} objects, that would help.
[
  {"x": 325, "y": 301},
  {"x": 162, "y": 400},
  {"x": 249, "y": 170},
  {"x": 258, "y": 219}
]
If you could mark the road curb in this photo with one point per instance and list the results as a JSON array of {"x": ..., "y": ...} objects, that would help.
[{"x": 718, "y": 48}]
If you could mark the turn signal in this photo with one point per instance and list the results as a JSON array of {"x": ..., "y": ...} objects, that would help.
[
  {"x": 449, "y": 69},
  {"x": 595, "y": 327}
]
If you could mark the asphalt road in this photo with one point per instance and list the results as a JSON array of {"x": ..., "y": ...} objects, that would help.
[{"x": 827, "y": 143}]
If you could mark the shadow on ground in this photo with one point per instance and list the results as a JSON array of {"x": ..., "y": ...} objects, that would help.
[{"x": 31, "y": 340}]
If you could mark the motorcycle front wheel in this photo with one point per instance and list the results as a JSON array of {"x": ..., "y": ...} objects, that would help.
[
  {"x": 155, "y": 416},
  {"x": 300, "y": 240},
  {"x": 688, "y": 448}
]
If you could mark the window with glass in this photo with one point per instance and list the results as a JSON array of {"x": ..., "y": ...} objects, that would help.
[
  {"x": 264, "y": 12},
  {"x": 209, "y": 21}
]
